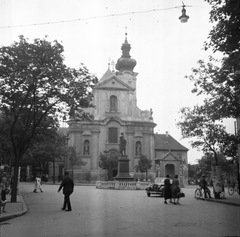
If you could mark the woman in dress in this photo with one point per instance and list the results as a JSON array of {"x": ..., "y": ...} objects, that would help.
[
  {"x": 175, "y": 190},
  {"x": 167, "y": 189}
]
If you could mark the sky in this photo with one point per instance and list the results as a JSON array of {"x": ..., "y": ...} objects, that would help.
[{"x": 92, "y": 33}]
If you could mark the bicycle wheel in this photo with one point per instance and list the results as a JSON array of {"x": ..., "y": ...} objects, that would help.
[
  {"x": 198, "y": 193},
  {"x": 230, "y": 190}
]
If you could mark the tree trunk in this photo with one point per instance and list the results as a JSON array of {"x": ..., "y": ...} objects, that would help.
[
  {"x": 54, "y": 170},
  {"x": 217, "y": 181},
  {"x": 216, "y": 158},
  {"x": 14, "y": 184},
  {"x": 238, "y": 178}
]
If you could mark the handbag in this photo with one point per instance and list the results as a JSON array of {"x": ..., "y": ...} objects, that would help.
[{"x": 181, "y": 194}]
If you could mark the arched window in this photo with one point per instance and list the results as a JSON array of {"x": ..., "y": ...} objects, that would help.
[
  {"x": 86, "y": 147},
  {"x": 138, "y": 149},
  {"x": 113, "y": 103}
]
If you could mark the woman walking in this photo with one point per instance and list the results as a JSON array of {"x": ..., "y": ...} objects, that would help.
[
  {"x": 175, "y": 190},
  {"x": 167, "y": 189}
]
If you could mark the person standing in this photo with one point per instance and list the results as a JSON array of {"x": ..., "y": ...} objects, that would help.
[
  {"x": 68, "y": 185},
  {"x": 167, "y": 190},
  {"x": 175, "y": 190},
  {"x": 37, "y": 185},
  {"x": 3, "y": 191}
]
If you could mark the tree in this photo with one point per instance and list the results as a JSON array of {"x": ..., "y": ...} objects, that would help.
[
  {"x": 109, "y": 161},
  {"x": 193, "y": 172},
  {"x": 144, "y": 164},
  {"x": 46, "y": 148},
  {"x": 34, "y": 84},
  {"x": 197, "y": 124},
  {"x": 74, "y": 157},
  {"x": 5, "y": 143},
  {"x": 230, "y": 150},
  {"x": 225, "y": 34},
  {"x": 219, "y": 82}
]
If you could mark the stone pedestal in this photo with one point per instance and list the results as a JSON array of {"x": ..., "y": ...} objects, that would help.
[{"x": 123, "y": 170}]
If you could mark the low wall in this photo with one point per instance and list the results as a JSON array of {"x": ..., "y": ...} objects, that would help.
[{"x": 122, "y": 185}]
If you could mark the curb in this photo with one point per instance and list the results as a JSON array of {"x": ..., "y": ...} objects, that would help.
[
  {"x": 218, "y": 201},
  {"x": 13, "y": 215}
]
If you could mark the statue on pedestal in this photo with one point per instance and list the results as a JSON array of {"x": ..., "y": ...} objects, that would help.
[{"x": 122, "y": 146}]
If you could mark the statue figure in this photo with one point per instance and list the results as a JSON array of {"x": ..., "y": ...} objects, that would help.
[{"x": 122, "y": 147}]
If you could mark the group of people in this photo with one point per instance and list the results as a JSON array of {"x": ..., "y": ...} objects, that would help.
[{"x": 172, "y": 190}]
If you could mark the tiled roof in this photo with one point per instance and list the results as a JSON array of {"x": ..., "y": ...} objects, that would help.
[{"x": 167, "y": 142}]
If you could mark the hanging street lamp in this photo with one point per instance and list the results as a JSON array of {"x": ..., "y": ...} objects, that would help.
[{"x": 183, "y": 18}]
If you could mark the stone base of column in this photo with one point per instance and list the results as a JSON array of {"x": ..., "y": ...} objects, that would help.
[{"x": 123, "y": 170}]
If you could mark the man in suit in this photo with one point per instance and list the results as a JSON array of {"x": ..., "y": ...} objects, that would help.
[{"x": 68, "y": 185}]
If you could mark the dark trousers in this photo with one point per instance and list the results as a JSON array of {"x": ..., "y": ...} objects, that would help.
[{"x": 67, "y": 202}]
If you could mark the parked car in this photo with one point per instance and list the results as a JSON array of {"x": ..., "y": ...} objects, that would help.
[{"x": 156, "y": 188}]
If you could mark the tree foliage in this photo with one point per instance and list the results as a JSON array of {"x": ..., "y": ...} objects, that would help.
[
  {"x": 206, "y": 134},
  {"x": 144, "y": 164},
  {"x": 204, "y": 167},
  {"x": 47, "y": 147},
  {"x": 219, "y": 82},
  {"x": 225, "y": 34},
  {"x": 35, "y": 84},
  {"x": 109, "y": 161},
  {"x": 74, "y": 157}
]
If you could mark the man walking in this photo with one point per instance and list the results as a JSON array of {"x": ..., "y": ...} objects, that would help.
[{"x": 67, "y": 185}]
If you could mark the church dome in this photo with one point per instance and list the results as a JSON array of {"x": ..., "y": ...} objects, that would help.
[{"x": 125, "y": 62}]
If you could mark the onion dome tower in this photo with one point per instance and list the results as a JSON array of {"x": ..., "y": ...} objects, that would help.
[{"x": 125, "y": 63}]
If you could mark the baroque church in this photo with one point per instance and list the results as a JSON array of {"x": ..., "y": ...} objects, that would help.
[{"x": 116, "y": 112}]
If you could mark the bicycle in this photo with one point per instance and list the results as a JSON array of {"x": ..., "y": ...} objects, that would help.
[
  {"x": 232, "y": 188},
  {"x": 199, "y": 194}
]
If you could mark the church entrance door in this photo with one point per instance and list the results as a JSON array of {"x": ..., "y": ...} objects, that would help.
[{"x": 170, "y": 170}]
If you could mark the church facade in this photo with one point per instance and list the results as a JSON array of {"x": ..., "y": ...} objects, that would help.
[{"x": 115, "y": 113}]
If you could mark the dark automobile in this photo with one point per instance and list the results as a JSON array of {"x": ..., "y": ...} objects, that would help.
[{"x": 157, "y": 188}]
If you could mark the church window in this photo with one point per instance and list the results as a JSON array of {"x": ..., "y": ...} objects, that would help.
[
  {"x": 113, "y": 103},
  {"x": 112, "y": 135},
  {"x": 138, "y": 148},
  {"x": 86, "y": 147}
]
